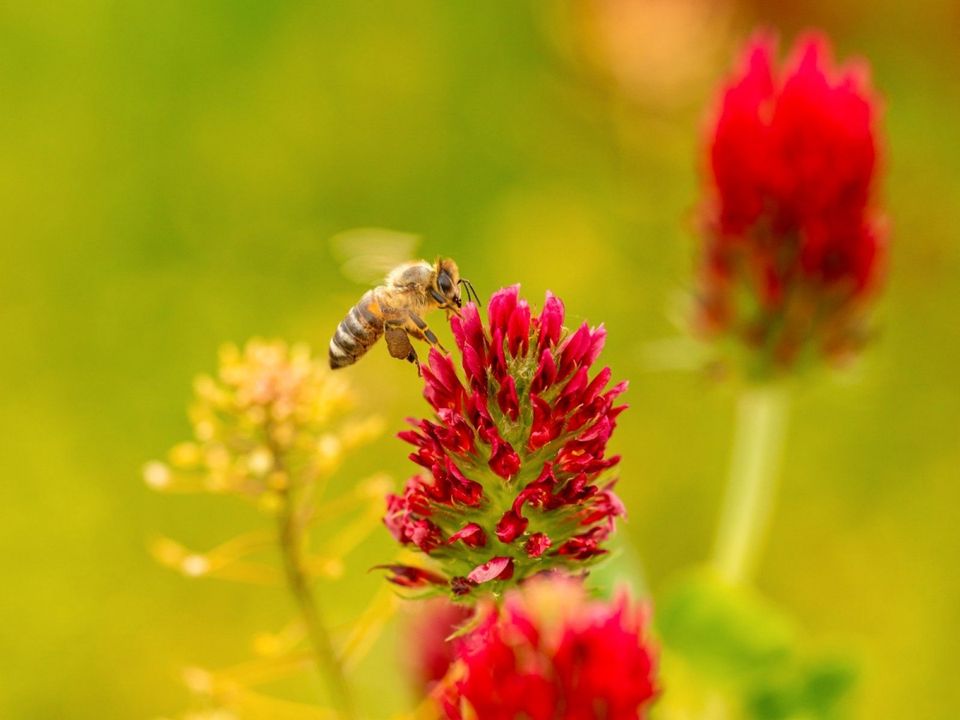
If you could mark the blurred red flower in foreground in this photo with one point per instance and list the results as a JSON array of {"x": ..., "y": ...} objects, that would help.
[
  {"x": 427, "y": 647},
  {"x": 513, "y": 454},
  {"x": 793, "y": 246},
  {"x": 549, "y": 653}
]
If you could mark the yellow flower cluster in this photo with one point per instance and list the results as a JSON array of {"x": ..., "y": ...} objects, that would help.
[
  {"x": 270, "y": 427},
  {"x": 266, "y": 417}
]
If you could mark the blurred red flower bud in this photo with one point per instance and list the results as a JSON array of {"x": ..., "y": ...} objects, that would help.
[
  {"x": 550, "y": 653},
  {"x": 427, "y": 648},
  {"x": 793, "y": 243}
]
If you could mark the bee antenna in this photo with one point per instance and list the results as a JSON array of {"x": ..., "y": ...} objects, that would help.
[{"x": 470, "y": 289}]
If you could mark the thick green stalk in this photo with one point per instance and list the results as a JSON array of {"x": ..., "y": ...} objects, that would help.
[{"x": 751, "y": 488}]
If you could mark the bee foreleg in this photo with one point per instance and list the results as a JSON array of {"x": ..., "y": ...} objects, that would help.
[
  {"x": 444, "y": 304},
  {"x": 419, "y": 329}
]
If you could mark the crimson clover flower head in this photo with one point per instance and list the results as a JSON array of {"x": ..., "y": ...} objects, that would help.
[
  {"x": 793, "y": 245},
  {"x": 550, "y": 653},
  {"x": 513, "y": 457}
]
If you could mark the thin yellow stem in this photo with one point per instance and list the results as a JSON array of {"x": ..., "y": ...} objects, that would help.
[{"x": 329, "y": 665}]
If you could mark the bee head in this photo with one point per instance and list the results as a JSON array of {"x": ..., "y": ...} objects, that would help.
[
  {"x": 448, "y": 283},
  {"x": 447, "y": 286}
]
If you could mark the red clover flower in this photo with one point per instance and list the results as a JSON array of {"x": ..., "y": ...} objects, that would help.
[
  {"x": 513, "y": 455},
  {"x": 550, "y": 653}
]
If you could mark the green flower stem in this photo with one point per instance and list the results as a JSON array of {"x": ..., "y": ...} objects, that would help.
[
  {"x": 758, "y": 442},
  {"x": 329, "y": 665}
]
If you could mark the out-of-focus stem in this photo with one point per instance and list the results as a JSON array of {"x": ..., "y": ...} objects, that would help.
[
  {"x": 291, "y": 547},
  {"x": 751, "y": 487}
]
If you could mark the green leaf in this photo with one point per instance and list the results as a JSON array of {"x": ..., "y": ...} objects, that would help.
[
  {"x": 732, "y": 638},
  {"x": 813, "y": 689},
  {"x": 723, "y": 632},
  {"x": 827, "y": 684}
]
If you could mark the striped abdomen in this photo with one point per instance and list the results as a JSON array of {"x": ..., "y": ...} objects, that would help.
[{"x": 360, "y": 329}]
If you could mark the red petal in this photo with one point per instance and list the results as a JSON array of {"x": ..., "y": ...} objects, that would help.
[
  {"x": 504, "y": 460},
  {"x": 409, "y": 576},
  {"x": 550, "y": 322},
  {"x": 511, "y": 526},
  {"x": 500, "y": 308},
  {"x": 518, "y": 329},
  {"x": 597, "y": 385},
  {"x": 471, "y": 534},
  {"x": 442, "y": 387},
  {"x": 597, "y": 340},
  {"x": 573, "y": 350},
  {"x": 496, "y": 357},
  {"x": 508, "y": 400},
  {"x": 545, "y": 427},
  {"x": 425, "y": 535},
  {"x": 497, "y": 568},
  {"x": 538, "y": 544},
  {"x": 546, "y": 372}
]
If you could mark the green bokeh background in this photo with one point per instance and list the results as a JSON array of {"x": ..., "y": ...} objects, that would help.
[{"x": 170, "y": 173}]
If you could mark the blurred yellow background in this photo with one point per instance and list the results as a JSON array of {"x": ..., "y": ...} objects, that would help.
[{"x": 170, "y": 173}]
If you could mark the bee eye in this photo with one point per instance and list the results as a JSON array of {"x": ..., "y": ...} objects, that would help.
[{"x": 445, "y": 283}]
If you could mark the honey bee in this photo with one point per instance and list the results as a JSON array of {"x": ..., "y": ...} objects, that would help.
[{"x": 396, "y": 309}]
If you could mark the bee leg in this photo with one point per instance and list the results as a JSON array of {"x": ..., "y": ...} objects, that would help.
[
  {"x": 444, "y": 304},
  {"x": 419, "y": 329}
]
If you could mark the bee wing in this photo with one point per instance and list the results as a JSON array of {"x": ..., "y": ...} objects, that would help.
[{"x": 366, "y": 255}]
